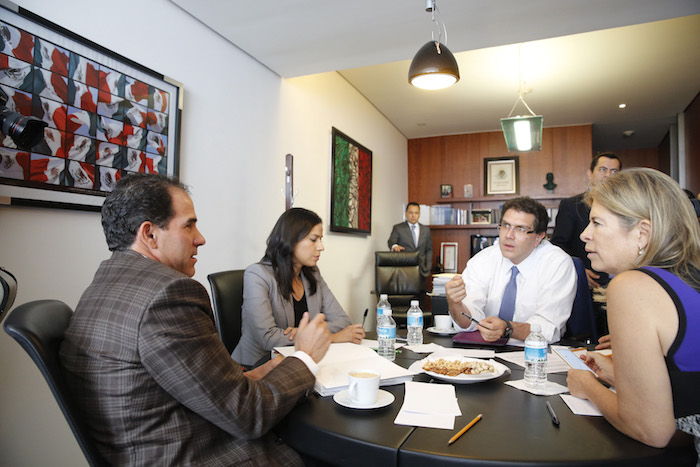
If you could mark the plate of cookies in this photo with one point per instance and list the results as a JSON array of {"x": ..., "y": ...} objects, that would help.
[{"x": 459, "y": 369}]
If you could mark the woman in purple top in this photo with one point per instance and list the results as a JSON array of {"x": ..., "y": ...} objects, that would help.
[{"x": 643, "y": 232}]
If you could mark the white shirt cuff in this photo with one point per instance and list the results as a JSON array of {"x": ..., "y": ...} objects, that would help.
[{"x": 308, "y": 361}]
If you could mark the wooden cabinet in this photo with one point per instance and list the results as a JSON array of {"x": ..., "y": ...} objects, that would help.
[{"x": 458, "y": 160}]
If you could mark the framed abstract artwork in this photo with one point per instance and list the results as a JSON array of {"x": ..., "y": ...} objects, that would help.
[
  {"x": 104, "y": 115},
  {"x": 351, "y": 185}
]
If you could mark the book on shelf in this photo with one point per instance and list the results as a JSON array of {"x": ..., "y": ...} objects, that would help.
[{"x": 342, "y": 358}]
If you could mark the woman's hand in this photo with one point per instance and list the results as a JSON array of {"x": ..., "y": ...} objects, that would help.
[
  {"x": 292, "y": 332},
  {"x": 604, "y": 343},
  {"x": 579, "y": 381},
  {"x": 353, "y": 333},
  {"x": 602, "y": 365}
]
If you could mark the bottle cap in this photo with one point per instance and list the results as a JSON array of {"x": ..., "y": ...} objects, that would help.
[
  {"x": 387, "y": 312},
  {"x": 414, "y": 302},
  {"x": 383, "y": 297}
]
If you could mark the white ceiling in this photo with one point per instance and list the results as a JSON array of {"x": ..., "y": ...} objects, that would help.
[{"x": 580, "y": 58}]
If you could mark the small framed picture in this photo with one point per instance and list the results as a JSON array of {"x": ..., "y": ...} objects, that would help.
[
  {"x": 481, "y": 216},
  {"x": 445, "y": 191},
  {"x": 448, "y": 256}
]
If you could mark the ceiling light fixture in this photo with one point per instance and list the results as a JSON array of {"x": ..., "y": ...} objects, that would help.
[
  {"x": 522, "y": 133},
  {"x": 434, "y": 66}
]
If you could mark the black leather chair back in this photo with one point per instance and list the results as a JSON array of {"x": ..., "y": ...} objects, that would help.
[
  {"x": 39, "y": 328},
  {"x": 398, "y": 276},
  {"x": 227, "y": 297},
  {"x": 8, "y": 291}
]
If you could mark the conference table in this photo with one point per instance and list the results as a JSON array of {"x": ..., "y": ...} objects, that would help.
[{"x": 516, "y": 430}]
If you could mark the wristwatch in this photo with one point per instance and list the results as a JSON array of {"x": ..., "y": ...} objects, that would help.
[{"x": 509, "y": 329}]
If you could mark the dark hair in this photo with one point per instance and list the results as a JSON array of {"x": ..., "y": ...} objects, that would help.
[
  {"x": 529, "y": 206},
  {"x": 609, "y": 155},
  {"x": 137, "y": 198},
  {"x": 412, "y": 203},
  {"x": 290, "y": 229}
]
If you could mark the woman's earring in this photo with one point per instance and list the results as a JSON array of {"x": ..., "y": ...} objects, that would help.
[{"x": 641, "y": 251}]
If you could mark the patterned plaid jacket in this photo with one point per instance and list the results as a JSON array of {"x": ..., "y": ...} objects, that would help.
[{"x": 157, "y": 386}]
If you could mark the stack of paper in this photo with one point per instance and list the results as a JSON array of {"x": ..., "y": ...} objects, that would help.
[
  {"x": 342, "y": 358},
  {"x": 439, "y": 281},
  {"x": 429, "y": 405}
]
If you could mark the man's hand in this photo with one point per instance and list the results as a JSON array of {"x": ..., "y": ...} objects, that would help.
[
  {"x": 455, "y": 290},
  {"x": 492, "y": 328},
  {"x": 263, "y": 369},
  {"x": 292, "y": 332},
  {"x": 397, "y": 248},
  {"x": 353, "y": 333},
  {"x": 313, "y": 336},
  {"x": 592, "y": 277}
]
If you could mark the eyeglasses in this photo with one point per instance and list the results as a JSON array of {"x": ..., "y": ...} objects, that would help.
[
  {"x": 517, "y": 229},
  {"x": 604, "y": 170}
]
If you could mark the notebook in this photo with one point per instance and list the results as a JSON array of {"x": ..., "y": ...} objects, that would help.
[{"x": 474, "y": 338}]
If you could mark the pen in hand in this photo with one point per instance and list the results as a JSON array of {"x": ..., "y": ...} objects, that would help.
[
  {"x": 555, "y": 419},
  {"x": 476, "y": 322},
  {"x": 364, "y": 317}
]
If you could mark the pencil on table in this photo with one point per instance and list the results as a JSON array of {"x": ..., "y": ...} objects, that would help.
[{"x": 464, "y": 430}]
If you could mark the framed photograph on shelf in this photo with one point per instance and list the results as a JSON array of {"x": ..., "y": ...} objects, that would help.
[
  {"x": 501, "y": 175},
  {"x": 445, "y": 191},
  {"x": 103, "y": 116},
  {"x": 481, "y": 216},
  {"x": 448, "y": 256},
  {"x": 479, "y": 242},
  {"x": 351, "y": 185}
]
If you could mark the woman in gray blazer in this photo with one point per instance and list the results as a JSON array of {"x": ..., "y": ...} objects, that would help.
[{"x": 285, "y": 284}]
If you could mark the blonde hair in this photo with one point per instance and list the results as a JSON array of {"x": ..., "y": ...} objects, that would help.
[{"x": 637, "y": 194}]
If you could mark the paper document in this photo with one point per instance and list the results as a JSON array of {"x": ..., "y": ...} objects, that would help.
[
  {"x": 342, "y": 358},
  {"x": 580, "y": 406},
  {"x": 572, "y": 360},
  {"x": 429, "y": 405}
]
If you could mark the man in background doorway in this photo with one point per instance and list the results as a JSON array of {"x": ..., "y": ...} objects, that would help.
[
  {"x": 572, "y": 219},
  {"x": 412, "y": 236}
]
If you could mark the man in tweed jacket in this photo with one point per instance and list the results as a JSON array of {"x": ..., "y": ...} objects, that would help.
[{"x": 143, "y": 359}]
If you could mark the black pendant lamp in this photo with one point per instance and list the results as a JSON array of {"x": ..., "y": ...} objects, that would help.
[{"x": 434, "y": 66}]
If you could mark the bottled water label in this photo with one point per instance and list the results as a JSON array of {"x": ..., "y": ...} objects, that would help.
[
  {"x": 535, "y": 355},
  {"x": 380, "y": 311},
  {"x": 414, "y": 321},
  {"x": 386, "y": 332}
]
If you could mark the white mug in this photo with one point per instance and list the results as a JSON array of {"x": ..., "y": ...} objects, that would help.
[
  {"x": 364, "y": 386},
  {"x": 443, "y": 322}
]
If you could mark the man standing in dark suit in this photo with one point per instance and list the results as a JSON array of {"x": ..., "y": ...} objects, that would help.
[
  {"x": 572, "y": 217},
  {"x": 412, "y": 236},
  {"x": 142, "y": 357}
]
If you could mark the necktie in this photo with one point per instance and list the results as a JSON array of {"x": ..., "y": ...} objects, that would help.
[
  {"x": 508, "y": 303},
  {"x": 415, "y": 237}
]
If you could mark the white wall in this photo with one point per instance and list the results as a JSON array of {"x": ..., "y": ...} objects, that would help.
[{"x": 239, "y": 122}]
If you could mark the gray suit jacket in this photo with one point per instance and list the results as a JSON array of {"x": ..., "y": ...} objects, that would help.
[
  {"x": 266, "y": 313},
  {"x": 401, "y": 235},
  {"x": 156, "y": 384}
]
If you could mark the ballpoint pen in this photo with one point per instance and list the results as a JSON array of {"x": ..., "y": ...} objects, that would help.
[
  {"x": 475, "y": 321},
  {"x": 364, "y": 317},
  {"x": 555, "y": 419}
]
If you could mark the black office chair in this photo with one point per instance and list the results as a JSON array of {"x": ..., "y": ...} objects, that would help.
[
  {"x": 39, "y": 328},
  {"x": 397, "y": 274},
  {"x": 8, "y": 291},
  {"x": 581, "y": 324},
  {"x": 227, "y": 297}
]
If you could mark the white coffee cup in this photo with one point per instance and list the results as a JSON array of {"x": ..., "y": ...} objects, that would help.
[
  {"x": 443, "y": 322},
  {"x": 364, "y": 386}
]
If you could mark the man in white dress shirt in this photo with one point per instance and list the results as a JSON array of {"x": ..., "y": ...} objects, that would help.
[{"x": 521, "y": 281}]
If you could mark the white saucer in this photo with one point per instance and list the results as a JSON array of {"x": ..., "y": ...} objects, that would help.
[
  {"x": 442, "y": 332},
  {"x": 384, "y": 398}
]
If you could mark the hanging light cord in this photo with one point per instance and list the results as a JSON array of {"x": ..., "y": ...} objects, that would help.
[
  {"x": 437, "y": 23},
  {"x": 520, "y": 87}
]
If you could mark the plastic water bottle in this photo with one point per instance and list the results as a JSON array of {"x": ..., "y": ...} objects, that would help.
[
  {"x": 382, "y": 305},
  {"x": 386, "y": 335},
  {"x": 414, "y": 323},
  {"x": 535, "y": 358}
]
